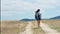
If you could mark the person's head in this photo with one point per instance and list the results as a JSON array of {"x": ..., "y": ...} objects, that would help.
[{"x": 37, "y": 10}]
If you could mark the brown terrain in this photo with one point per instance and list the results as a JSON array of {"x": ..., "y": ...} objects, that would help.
[{"x": 21, "y": 27}]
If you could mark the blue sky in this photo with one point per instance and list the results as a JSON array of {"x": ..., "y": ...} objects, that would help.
[{"x": 20, "y": 9}]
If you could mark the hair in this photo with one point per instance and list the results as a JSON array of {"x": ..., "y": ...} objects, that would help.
[{"x": 37, "y": 10}]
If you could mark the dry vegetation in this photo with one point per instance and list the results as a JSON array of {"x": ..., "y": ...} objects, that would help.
[
  {"x": 36, "y": 29},
  {"x": 54, "y": 24},
  {"x": 15, "y": 27},
  {"x": 12, "y": 27}
]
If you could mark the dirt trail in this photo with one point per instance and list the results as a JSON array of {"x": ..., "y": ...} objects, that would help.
[
  {"x": 28, "y": 29},
  {"x": 47, "y": 29}
]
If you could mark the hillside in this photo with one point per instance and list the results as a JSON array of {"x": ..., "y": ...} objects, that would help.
[
  {"x": 57, "y": 17},
  {"x": 27, "y": 19}
]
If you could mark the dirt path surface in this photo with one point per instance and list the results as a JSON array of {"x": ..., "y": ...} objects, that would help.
[
  {"x": 28, "y": 29},
  {"x": 47, "y": 29}
]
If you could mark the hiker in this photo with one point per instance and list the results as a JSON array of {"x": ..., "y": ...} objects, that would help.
[{"x": 38, "y": 17}]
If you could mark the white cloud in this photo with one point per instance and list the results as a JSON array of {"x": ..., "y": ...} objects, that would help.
[
  {"x": 42, "y": 4},
  {"x": 11, "y": 13},
  {"x": 13, "y": 7},
  {"x": 18, "y": 4}
]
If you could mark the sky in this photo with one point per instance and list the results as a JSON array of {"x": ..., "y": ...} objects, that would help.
[{"x": 20, "y": 9}]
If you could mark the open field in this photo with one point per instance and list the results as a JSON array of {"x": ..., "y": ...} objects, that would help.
[
  {"x": 54, "y": 24},
  {"x": 17, "y": 27},
  {"x": 12, "y": 27}
]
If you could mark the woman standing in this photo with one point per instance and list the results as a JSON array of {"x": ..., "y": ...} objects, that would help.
[{"x": 38, "y": 17}]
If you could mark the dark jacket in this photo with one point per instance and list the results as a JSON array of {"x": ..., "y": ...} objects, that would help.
[{"x": 38, "y": 16}]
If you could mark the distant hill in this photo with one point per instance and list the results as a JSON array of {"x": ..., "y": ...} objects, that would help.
[
  {"x": 57, "y": 17},
  {"x": 27, "y": 20}
]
